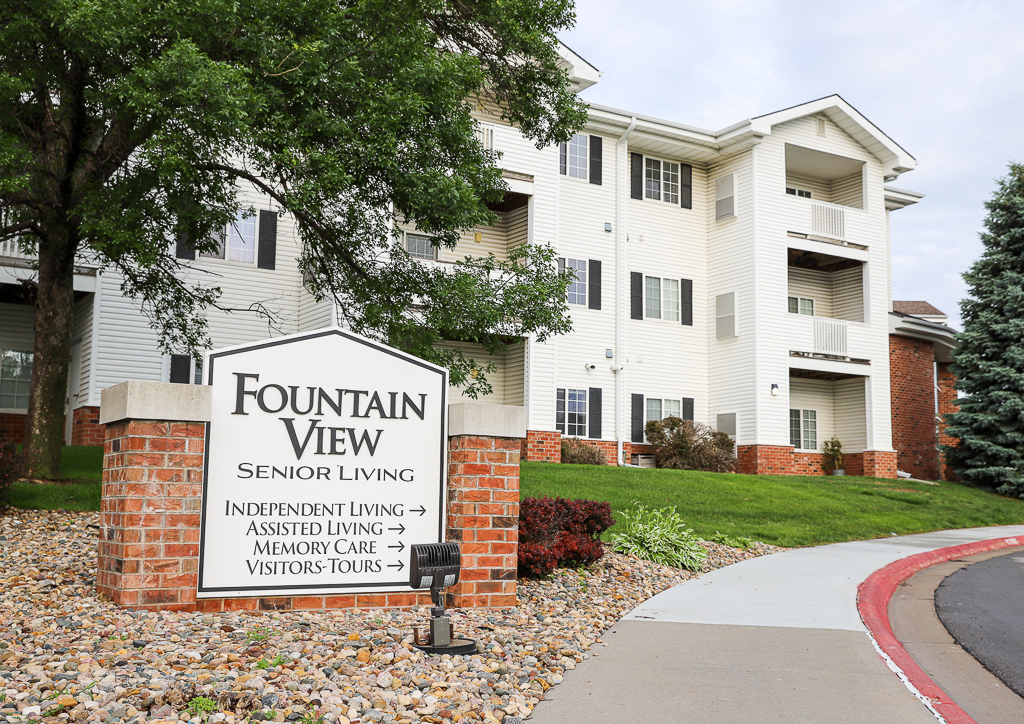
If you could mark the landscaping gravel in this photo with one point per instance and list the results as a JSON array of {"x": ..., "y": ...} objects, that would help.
[{"x": 67, "y": 655}]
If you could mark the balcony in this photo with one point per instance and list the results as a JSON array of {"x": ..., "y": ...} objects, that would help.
[
  {"x": 830, "y": 337},
  {"x": 828, "y": 187},
  {"x": 828, "y": 220}
]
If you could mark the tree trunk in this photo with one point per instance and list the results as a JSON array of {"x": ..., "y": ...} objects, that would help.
[{"x": 54, "y": 312}]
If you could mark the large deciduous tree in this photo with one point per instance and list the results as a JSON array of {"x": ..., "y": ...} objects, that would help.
[
  {"x": 989, "y": 356},
  {"x": 125, "y": 125}
]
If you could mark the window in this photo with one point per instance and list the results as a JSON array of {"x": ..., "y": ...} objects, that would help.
[
  {"x": 803, "y": 429},
  {"x": 571, "y": 412},
  {"x": 576, "y": 156},
  {"x": 668, "y": 181},
  {"x": 801, "y": 305},
  {"x": 661, "y": 298},
  {"x": 184, "y": 370},
  {"x": 238, "y": 241},
  {"x": 659, "y": 408},
  {"x": 725, "y": 315},
  {"x": 644, "y": 410},
  {"x": 661, "y": 180},
  {"x": 727, "y": 424},
  {"x": 420, "y": 247},
  {"x": 802, "y": 193},
  {"x": 725, "y": 197},
  {"x": 578, "y": 287},
  {"x": 15, "y": 379}
]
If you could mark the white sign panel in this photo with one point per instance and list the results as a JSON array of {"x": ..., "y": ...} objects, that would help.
[{"x": 325, "y": 459}]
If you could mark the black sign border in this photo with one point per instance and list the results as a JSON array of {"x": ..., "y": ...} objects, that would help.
[{"x": 404, "y": 585}]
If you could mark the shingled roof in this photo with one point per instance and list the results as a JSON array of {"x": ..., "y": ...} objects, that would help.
[{"x": 915, "y": 308}]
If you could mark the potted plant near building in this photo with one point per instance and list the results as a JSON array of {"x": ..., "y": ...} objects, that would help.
[{"x": 833, "y": 460}]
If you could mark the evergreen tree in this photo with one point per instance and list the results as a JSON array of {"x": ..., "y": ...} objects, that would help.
[{"x": 989, "y": 357}]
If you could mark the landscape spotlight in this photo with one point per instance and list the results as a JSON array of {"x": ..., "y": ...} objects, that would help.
[{"x": 437, "y": 566}]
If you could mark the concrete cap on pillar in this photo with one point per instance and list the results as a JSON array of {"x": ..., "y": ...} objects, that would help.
[
  {"x": 475, "y": 418},
  {"x": 141, "y": 400}
]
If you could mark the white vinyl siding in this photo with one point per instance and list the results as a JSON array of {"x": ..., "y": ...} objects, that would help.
[{"x": 838, "y": 294}]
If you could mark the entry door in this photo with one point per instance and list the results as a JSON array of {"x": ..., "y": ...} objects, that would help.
[{"x": 74, "y": 375}]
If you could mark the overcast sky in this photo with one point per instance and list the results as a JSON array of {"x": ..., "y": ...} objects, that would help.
[{"x": 943, "y": 78}]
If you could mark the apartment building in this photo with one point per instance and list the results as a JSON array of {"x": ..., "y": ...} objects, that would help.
[{"x": 740, "y": 278}]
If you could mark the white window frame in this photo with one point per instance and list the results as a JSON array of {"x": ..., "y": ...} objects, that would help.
[
  {"x": 661, "y": 180},
  {"x": 803, "y": 429},
  {"x": 577, "y": 157},
  {"x": 576, "y": 405},
  {"x": 577, "y": 290},
  {"x": 801, "y": 193},
  {"x": 413, "y": 235},
  {"x": 17, "y": 382},
  {"x": 803, "y": 305},
  {"x": 233, "y": 240},
  {"x": 668, "y": 298}
]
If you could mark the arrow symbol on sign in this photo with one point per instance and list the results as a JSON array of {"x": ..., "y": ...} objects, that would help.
[
  {"x": 400, "y": 529},
  {"x": 398, "y": 565},
  {"x": 421, "y": 510},
  {"x": 400, "y": 546}
]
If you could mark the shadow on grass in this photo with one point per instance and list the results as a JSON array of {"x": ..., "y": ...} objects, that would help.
[{"x": 78, "y": 489}]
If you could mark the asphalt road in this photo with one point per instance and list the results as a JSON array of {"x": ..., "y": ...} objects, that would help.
[{"x": 982, "y": 607}]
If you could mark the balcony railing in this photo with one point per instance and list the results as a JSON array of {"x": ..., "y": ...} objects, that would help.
[
  {"x": 830, "y": 336},
  {"x": 828, "y": 220},
  {"x": 12, "y": 254},
  {"x": 11, "y": 249},
  {"x": 485, "y": 134}
]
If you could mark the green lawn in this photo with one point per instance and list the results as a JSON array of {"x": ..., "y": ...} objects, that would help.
[
  {"x": 80, "y": 489},
  {"x": 783, "y": 510}
]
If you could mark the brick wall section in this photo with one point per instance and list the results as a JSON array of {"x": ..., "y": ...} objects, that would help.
[
  {"x": 86, "y": 428},
  {"x": 12, "y": 427},
  {"x": 947, "y": 404},
  {"x": 814, "y": 463},
  {"x": 880, "y": 464},
  {"x": 149, "y": 524},
  {"x": 483, "y": 515},
  {"x": 542, "y": 446},
  {"x": 764, "y": 459},
  {"x": 914, "y": 434}
]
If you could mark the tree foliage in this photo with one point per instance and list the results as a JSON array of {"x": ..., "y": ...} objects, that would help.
[
  {"x": 989, "y": 356},
  {"x": 125, "y": 125}
]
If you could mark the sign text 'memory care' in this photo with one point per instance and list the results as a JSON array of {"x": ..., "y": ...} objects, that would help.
[{"x": 325, "y": 460}]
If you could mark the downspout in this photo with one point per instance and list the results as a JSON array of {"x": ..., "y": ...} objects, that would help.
[{"x": 621, "y": 289}]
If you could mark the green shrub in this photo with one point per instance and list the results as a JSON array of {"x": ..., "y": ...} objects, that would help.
[
  {"x": 738, "y": 541},
  {"x": 10, "y": 467},
  {"x": 660, "y": 536},
  {"x": 578, "y": 452},
  {"x": 833, "y": 457},
  {"x": 689, "y": 445}
]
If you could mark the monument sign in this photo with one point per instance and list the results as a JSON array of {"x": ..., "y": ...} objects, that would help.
[{"x": 325, "y": 460}]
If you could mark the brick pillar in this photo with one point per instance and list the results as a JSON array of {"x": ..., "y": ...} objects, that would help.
[
  {"x": 483, "y": 500},
  {"x": 912, "y": 393},
  {"x": 880, "y": 463},
  {"x": 149, "y": 513},
  {"x": 765, "y": 460}
]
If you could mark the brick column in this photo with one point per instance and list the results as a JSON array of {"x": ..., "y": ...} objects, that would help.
[
  {"x": 765, "y": 460},
  {"x": 152, "y": 494},
  {"x": 880, "y": 463},
  {"x": 947, "y": 404},
  {"x": 483, "y": 501}
]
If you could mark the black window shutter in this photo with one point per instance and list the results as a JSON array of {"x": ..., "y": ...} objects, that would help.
[
  {"x": 267, "y": 257},
  {"x": 594, "y": 285},
  {"x": 636, "y": 176},
  {"x": 686, "y": 301},
  {"x": 686, "y": 186},
  {"x": 595, "y": 160},
  {"x": 561, "y": 158},
  {"x": 636, "y": 418},
  {"x": 636, "y": 295},
  {"x": 181, "y": 368},
  {"x": 560, "y": 410},
  {"x": 687, "y": 408},
  {"x": 183, "y": 249},
  {"x": 594, "y": 413}
]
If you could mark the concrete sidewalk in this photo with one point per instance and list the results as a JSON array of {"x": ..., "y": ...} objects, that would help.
[{"x": 771, "y": 639}]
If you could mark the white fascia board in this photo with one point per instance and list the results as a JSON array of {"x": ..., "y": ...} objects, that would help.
[
  {"x": 581, "y": 73},
  {"x": 900, "y": 198},
  {"x": 922, "y": 329},
  {"x": 694, "y": 143},
  {"x": 894, "y": 158}
]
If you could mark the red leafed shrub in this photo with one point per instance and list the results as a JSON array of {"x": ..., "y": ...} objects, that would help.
[{"x": 556, "y": 531}]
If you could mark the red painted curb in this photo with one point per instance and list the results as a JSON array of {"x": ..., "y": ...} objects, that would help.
[{"x": 873, "y": 603}]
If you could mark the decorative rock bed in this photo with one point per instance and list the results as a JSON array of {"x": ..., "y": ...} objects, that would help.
[{"x": 67, "y": 655}]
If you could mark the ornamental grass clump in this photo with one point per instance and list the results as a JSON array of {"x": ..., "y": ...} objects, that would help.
[{"x": 659, "y": 535}]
